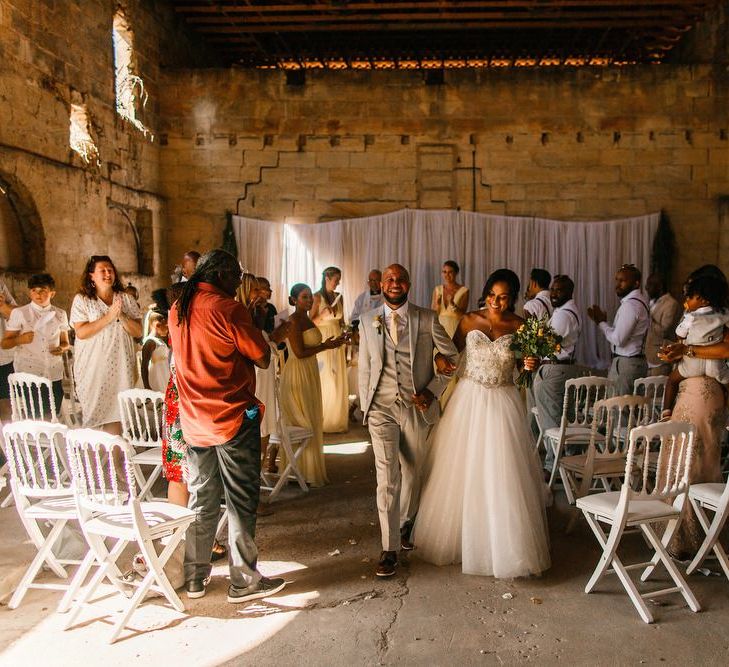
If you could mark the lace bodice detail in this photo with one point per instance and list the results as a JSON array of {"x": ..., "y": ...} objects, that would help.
[{"x": 490, "y": 363}]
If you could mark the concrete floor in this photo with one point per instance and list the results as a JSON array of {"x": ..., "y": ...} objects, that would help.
[{"x": 335, "y": 612}]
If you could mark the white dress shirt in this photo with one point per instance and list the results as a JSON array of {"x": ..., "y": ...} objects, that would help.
[
  {"x": 364, "y": 303},
  {"x": 402, "y": 318},
  {"x": 566, "y": 322},
  {"x": 630, "y": 326},
  {"x": 540, "y": 306},
  {"x": 6, "y": 356}
]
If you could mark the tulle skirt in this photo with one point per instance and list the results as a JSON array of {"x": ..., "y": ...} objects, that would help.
[{"x": 484, "y": 500}]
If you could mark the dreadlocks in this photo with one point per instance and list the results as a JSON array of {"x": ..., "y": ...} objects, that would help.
[{"x": 208, "y": 270}]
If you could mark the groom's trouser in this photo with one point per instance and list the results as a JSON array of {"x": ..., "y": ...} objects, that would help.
[
  {"x": 624, "y": 371},
  {"x": 399, "y": 439}
]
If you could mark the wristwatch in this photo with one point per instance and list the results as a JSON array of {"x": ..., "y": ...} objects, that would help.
[{"x": 690, "y": 352}]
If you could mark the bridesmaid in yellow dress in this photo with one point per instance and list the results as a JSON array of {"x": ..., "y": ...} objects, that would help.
[
  {"x": 301, "y": 398},
  {"x": 327, "y": 313},
  {"x": 450, "y": 300}
]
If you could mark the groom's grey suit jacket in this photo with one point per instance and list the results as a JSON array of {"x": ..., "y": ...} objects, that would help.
[{"x": 425, "y": 335}]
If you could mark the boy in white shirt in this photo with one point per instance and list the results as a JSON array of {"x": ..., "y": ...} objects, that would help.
[{"x": 38, "y": 334}]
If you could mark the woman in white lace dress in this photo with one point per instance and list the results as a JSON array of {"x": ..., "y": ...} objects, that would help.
[
  {"x": 106, "y": 321},
  {"x": 488, "y": 512}
]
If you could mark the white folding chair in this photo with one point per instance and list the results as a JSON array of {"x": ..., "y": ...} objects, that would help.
[
  {"x": 141, "y": 418},
  {"x": 575, "y": 427},
  {"x": 653, "y": 388},
  {"x": 27, "y": 402},
  {"x": 109, "y": 509},
  {"x": 540, "y": 437},
  {"x": 292, "y": 440},
  {"x": 27, "y": 399},
  {"x": 715, "y": 498},
  {"x": 604, "y": 460},
  {"x": 43, "y": 495},
  {"x": 657, "y": 501}
]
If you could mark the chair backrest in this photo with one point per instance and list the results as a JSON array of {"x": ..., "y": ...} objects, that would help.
[
  {"x": 653, "y": 388},
  {"x": 580, "y": 396},
  {"x": 101, "y": 469},
  {"x": 141, "y": 417},
  {"x": 34, "y": 450},
  {"x": 31, "y": 397},
  {"x": 615, "y": 418},
  {"x": 669, "y": 477}
]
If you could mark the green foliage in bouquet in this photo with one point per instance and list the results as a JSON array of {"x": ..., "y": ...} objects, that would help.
[{"x": 535, "y": 338}]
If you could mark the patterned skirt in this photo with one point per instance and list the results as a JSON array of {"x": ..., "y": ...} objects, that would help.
[{"x": 174, "y": 447}]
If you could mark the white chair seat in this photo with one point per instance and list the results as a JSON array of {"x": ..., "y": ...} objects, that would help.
[
  {"x": 573, "y": 433},
  {"x": 53, "y": 508},
  {"x": 161, "y": 517},
  {"x": 151, "y": 456},
  {"x": 576, "y": 463},
  {"x": 605, "y": 505},
  {"x": 708, "y": 494},
  {"x": 295, "y": 433}
]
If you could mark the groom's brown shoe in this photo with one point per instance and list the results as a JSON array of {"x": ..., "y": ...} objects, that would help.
[{"x": 387, "y": 565}]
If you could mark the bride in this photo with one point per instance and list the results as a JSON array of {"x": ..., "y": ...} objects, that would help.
[{"x": 487, "y": 512}]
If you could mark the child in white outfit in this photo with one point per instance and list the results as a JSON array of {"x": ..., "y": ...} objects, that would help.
[{"x": 703, "y": 324}]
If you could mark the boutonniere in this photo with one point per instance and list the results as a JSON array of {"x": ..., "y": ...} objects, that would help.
[{"x": 377, "y": 324}]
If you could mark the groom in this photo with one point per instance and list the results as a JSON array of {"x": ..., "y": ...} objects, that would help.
[{"x": 398, "y": 387}]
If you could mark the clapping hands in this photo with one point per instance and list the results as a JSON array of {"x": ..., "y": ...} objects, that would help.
[
  {"x": 597, "y": 314},
  {"x": 116, "y": 308}
]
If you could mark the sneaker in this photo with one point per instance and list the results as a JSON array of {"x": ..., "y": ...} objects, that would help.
[
  {"x": 196, "y": 587},
  {"x": 262, "y": 589}
]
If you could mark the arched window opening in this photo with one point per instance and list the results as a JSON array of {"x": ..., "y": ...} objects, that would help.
[{"x": 22, "y": 241}]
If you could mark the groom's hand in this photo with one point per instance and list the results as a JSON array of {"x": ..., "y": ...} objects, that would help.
[{"x": 423, "y": 399}]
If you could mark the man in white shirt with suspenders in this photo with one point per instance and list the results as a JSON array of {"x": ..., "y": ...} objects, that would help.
[
  {"x": 550, "y": 378},
  {"x": 537, "y": 295},
  {"x": 628, "y": 331}
]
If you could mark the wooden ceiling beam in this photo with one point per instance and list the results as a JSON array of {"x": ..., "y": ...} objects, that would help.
[
  {"x": 436, "y": 5},
  {"x": 431, "y": 26}
]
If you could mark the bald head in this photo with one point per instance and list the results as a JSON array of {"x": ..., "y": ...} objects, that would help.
[{"x": 395, "y": 285}]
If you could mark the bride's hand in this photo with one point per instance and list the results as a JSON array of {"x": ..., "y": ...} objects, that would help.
[
  {"x": 531, "y": 363},
  {"x": 444, "y": 365}
]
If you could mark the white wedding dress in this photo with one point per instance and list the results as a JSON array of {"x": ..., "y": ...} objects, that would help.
[{"x": 483, "y": 502}]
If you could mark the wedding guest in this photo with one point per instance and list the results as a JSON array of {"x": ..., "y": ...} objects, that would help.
[
  {"x": 38, "y": 335},
  {"x": 189, "y": 262},
  {"x": 264, "y": 314},
  {"x": 216, "y": 347},
  {"x": 537, "y": 297},
  {"x": 702, "y": 325},
  {"x": 665, "y": 315},
  {"x": 106, "y": 321},
  {"x": 370, "y": 299},
  {"x": 301, "y": 394},
  {"x": 627, "y": 333},
  {"x": 155, "y": 367},
  {"x": 548, "y": 388},
  {"x": 327, "y": 312},
  {"x": 159, "y": 304},
  {"x": 701, "y": 401},
  {"x": 7, "y": 303},
  {"x": 450, "y": 299}
]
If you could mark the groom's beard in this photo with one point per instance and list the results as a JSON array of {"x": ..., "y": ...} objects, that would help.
[{"x": 396, "y": 301}]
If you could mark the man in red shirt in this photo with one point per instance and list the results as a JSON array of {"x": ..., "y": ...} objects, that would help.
[{"x": 216, "y": 346}]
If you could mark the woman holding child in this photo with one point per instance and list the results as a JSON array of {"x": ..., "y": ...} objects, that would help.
[{"x": 701, "y": 401}]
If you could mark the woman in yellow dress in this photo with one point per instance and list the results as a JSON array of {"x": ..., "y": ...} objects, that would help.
[
  {"x": 327, "y": 312},
  {"x": 301, "y": 397},
  {"x": 450, "y": 299}
]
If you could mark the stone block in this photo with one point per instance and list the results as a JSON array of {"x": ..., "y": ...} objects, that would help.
[
  {"x": 332, "y": 160},
  {"x": 263, "y": 158}
]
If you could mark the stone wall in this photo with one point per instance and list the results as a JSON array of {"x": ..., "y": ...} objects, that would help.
[
  {"x": 53, "y": 54},
  {"x": 583, "y": 144}
]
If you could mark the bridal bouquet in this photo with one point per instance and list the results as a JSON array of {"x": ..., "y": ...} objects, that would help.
[{"x": 535, "y": 338}]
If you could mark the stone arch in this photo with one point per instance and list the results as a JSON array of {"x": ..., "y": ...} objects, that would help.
[{"x": 21, "y": 229}]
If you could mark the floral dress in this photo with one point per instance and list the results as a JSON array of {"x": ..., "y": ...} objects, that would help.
[{"x": 174, "y": 447}]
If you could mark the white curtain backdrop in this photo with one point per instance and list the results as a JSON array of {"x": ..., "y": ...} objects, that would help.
[{"x": 589, "y": 252}]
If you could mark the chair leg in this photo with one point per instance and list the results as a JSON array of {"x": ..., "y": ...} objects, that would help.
[
  {"x": 146, "y": 492},
  {"x": 41, "y": 557},
  {"x": 711, "y": 541},
  {"x": 557, "y": 449},
  {"x": 40, "y": 540},
  {"x": 609, "y": 546},
  {"x": 635, "y": 597},
  {"x": 680, "y": 582},
  {"x": 668, "y": 534},
  {"x": 77, "y": 582}
]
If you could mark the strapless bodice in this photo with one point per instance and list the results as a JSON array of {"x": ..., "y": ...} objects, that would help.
[
  {"x": 489, "y": 363},
  {"x": 312, "y": 337}
]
